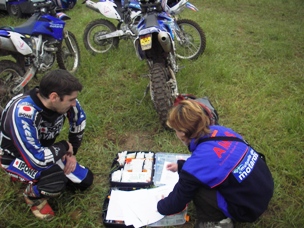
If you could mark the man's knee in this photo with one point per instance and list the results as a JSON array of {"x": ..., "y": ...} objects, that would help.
[
  {"x": 87, "y": 182},
  {"x": 52, "y": 181},
  {"x": 84, "y": 184}
]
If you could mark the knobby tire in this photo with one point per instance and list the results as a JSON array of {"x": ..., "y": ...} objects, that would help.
[
  {"x": 10, "y": 80},
  {"x": 89, "y": 37},
  {"x": 63, "y": 55},
  {"x": 161, "y": 92},
  {"x": 200, "y": 50}
]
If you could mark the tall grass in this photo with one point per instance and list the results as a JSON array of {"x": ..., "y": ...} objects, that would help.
[{"x": 252, "y": 71}]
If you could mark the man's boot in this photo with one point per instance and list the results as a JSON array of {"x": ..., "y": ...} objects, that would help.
[{"x": 39, "y": 206}]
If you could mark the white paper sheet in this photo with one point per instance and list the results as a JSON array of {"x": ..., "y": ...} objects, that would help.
[
  {"x": 138, "y": 207},
  {"x": 168, "y": 177},
  {"x": 144, "y": 205},
  {"x": 115, "y": 211}
]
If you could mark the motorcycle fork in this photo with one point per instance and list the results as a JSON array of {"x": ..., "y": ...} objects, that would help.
[{"x": 69, "y": 43}]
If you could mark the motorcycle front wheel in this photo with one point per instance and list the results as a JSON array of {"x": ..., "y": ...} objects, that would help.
[
  {"x": 191, "y": 39},
  {"x": 68, "y": 54},
  {"x": 11, "y": 74},
  {"x": 92, "y": 32},
  {"x": 14, "y": 10},
  {"x": 160, "y": 91}
]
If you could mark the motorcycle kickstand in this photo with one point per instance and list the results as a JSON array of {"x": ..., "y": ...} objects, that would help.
[{"x": 145, "y": 93}]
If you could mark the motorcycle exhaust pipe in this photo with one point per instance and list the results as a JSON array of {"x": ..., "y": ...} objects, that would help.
[
  {"x": 165, "y": 41},
  {"x": 7, "y": 44},
  {"x": 29, "y": 74}
]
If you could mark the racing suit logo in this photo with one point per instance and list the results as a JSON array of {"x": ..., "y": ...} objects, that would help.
[
  {"x": 26, "y": 112},
  {"x": 21, "y": 165},
  {"x": 243, "y": 170}
]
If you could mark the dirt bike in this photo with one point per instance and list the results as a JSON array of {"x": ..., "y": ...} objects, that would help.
[
  {"x": 101, "y": 35},
  {"x": 35, "y": 45},
  {"x": 17, "y": 8},
  {"x": 155, "y": 44}
]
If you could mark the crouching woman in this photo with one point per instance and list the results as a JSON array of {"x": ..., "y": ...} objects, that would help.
[{"x": 227, "y": 180}]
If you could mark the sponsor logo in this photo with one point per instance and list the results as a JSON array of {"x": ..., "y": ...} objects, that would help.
[
  {"x": 242, "y": 171},
  {"x": 21, "y": 44},
  {"x": 56, "y": 149},
  {"x": 21, "y": 165},
  {"x": 50, "y": 193},
  {"x": 27, "y": 131},
  {"x": 56, "y": 26},
  {"x": 26, "y": 112},
  {"x": 48, "y": 130},
  {"x": 43, "y": 130}
]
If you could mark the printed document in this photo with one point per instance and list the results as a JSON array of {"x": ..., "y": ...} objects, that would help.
[{"x": 138, "y": 207}]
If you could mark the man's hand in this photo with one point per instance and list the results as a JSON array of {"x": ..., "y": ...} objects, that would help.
[
  {"x": 70, "y": 164},
  {"x": 70, "y": 159}
]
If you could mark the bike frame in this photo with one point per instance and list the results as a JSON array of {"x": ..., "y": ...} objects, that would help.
[{"x": 38, "y": 25}]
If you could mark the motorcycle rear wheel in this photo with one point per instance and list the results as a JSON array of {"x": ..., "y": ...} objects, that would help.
[
  {"x": 93, "y": 30},
  {"x": 68, "y": 54},
  {"x": 192, "y": 41},
  {"x": 11, "y": 74},
  {"x": 160, "y": 91}
]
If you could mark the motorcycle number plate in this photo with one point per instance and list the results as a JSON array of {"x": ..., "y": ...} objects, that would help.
[{"x": 146, "y": 42}]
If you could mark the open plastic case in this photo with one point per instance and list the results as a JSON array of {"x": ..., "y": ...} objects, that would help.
[
  {"x": 144, "y": 178},
  {"x": 132, "y": 169}
]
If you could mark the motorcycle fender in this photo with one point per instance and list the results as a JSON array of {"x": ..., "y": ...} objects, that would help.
[
  {"x": 191, "y": 6},
  {"x": 108, "y": 9},
  {"x": 181, "y": 5},
  {"x": 21, "y": 46},
  {"x": 148, "y": 30}
]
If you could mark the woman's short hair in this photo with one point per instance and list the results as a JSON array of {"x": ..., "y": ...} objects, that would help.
[
  {"x": 189, "y": 117},
  {"x": 60, "y": 81}
]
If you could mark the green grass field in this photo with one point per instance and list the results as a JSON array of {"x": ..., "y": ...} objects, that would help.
[{"x": 253, "y": 72}]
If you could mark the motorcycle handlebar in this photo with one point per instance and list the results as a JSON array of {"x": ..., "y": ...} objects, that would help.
[
  {"x": 47, "y": 7},
  {"x": 151, "y": 6},
  {"x": 38, "y": 5}
]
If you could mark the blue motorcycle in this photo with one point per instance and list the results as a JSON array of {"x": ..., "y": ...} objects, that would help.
[
  {"x": 18, "y": 8},
  {"x": 101, "y": 35},
  {"x": 155, "y": 44},
  {"x": 35, "y": 45}
]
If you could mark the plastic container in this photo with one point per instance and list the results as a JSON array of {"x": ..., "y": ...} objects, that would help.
[
  {"x": 160, "y": 159},
  {"x": 172, "y": 220},
  {"x": 142, "y": 178}
]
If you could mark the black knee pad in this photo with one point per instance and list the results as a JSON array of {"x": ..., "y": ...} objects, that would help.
[
  {"x": 88, "y": 181},
  {"x": 52, "y": 181},
  {"x": 83, "y": 185}
]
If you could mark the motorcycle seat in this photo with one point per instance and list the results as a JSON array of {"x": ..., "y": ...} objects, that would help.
[
  {"x": 151, "y": 20},
  {"x": 27, "y": 27}
]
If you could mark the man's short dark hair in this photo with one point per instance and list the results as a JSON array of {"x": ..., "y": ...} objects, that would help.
[{"x": 60, "y": 81}]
